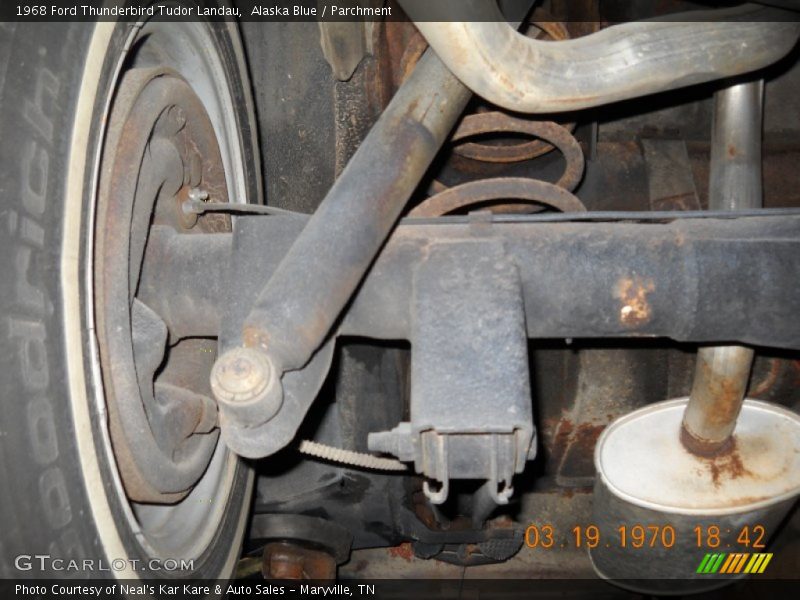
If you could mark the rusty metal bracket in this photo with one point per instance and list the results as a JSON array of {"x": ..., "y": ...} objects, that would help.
[{"x": 470, "y": 391}]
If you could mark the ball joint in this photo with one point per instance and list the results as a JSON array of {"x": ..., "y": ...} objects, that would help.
[{"x": 247, "y": 386}]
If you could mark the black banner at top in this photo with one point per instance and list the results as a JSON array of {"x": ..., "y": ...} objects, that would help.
[{"x": 348, "y": 10}]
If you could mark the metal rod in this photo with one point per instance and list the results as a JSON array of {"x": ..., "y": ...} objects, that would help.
[
  {"x": 735, "y": 174},
  {"x": 722, "y": 372},
  {"x": 183, "y": 280},
  {"x": 299, "y": 304},
  {"x": 580, "y": 280},
  {"x": 618, "y": 63},
  {"x": 720, "y": 383},
  {"x": 707, "y": 257}
]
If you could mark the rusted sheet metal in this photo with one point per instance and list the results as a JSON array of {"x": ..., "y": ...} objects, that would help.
[
  {"x": 591, "y": 387},
  {"x": 574, "y": 445}
]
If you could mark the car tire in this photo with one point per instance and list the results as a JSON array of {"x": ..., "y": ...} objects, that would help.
[{"x": 61, "y": 495}]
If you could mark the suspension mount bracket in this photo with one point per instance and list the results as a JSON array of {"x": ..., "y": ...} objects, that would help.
[{"x": 470, "y": 412}]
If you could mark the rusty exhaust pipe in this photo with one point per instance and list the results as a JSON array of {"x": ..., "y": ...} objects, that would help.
[{"x": 722, "y": 372}]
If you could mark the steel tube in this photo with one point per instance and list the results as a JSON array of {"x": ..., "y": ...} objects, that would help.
[
  {"x": 720, "y": 383},
  {"x": 183, "y": 280},
  {"x": 570, "y": 273},
  {"x": 583, "y": 280},
  {"x": 621, "y": 62},
  {"x": 735, "y": 183},
  {"x": 579, "y": 280},
  {"x": 305, "y": 295}
]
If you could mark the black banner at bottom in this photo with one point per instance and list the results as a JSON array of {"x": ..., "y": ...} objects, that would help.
[{"x": 471, "y": 589}]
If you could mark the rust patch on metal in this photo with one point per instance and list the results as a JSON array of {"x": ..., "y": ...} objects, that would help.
[
  {"x": 562, "y": 438},
  {"x": 704, "y": 448},
  {"x": 727, "y": 465},
  {"x": 577, "y": 461},
  {"x": 632, "y": 292},
  {"x": 575, "y": 445},
  {"x": 404, "y": 551},
  {"x": 769, "y": 381},
  {"x": 252, "y": 337},
  {"x": 727, "y": 394},
  {"x": 571, "y": 492},
  {"x": 727, "y": 403},
  {"x": 723, "y": 460},
  {"x": 684, "y": 201},
  {"x": 585, "y": 438}
]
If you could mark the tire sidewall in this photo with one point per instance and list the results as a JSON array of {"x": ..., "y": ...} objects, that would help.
[{"x": 60, "y": 498}]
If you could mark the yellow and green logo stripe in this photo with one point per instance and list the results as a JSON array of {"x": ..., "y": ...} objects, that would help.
[{"x": 733, "y": 563}]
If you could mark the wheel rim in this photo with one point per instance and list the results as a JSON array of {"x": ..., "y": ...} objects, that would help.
[{"x": 183, "y": 52}]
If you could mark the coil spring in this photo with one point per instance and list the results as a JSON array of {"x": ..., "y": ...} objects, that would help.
[
  {"x": 530, "y": 191},
  {"x": 542, "y": 26},
  {"x": 527, "y": 192}
]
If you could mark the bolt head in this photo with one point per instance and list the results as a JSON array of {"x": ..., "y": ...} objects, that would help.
[
  {"x": 240, "y": 375},
  {"x": 197, "y": 193},
  {"x": 247, "y": 386}
]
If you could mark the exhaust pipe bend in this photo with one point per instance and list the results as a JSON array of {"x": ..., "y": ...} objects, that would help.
[
  {"x": 735, "y": 183},
  {"x": 621, "y": 62}
]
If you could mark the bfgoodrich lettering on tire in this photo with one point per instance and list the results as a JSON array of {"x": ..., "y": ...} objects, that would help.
[{"x": 65, "y": 495}]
